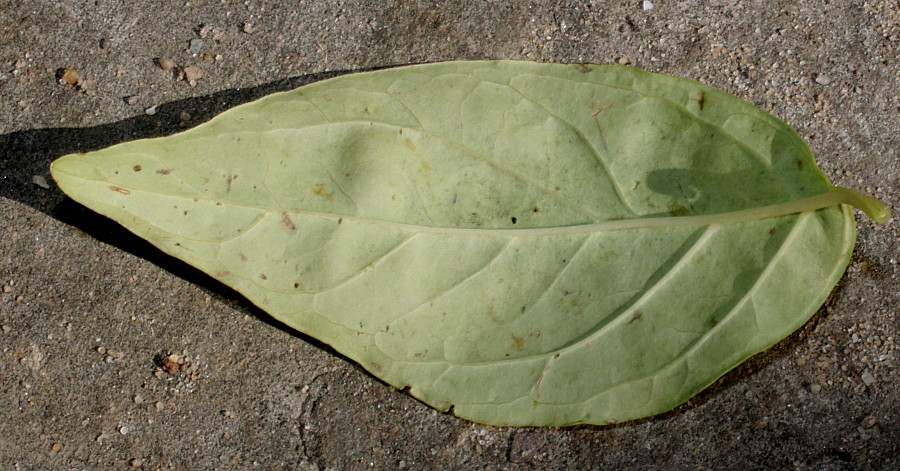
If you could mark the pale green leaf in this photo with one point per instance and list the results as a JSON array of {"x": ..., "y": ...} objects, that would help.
[{"x": 531, "y": 244}]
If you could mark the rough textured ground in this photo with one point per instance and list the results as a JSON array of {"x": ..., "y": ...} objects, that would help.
[{"x": 88, "y": 312}]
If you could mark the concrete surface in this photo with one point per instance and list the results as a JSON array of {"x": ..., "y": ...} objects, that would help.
[{"x": 88, "y": 313}]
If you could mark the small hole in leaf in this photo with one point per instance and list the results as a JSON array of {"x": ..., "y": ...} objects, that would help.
[{"x": 514, "y": 219}]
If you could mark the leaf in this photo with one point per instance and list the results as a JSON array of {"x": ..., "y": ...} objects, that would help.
[{"x": 529, "y": 244}]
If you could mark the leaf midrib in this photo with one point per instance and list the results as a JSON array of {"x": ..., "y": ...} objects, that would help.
[{"x": 833, "y": 197}]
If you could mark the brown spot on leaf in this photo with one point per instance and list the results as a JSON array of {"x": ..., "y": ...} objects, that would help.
[
  {"x": 262, "y": 276},
  {"x": 319, "y": 190},
  {"x": 637, "y": 315},
  {"x": 582, "y": 68},
  {"x": 286, "y": 220},
  {"x": 409, "y": 144},
  {"x": 599, "y": 110},
  {"x": 137, "y": 168},
  {"x": 701, "y": 100},
  {"x": 518, "y": 342},
  {"x": 164, "y": 171},
  {"x": 119, "y": 190}
]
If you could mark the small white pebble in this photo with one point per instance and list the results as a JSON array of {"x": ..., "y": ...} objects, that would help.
[
  {"x": 124, "y": 430},
  {"x": 40, "y": 181},
  {"x": 195, "y": 46},
  {"x": 151, "y": 110},
  {"x": 166, "y": 64},
  {"x": 646, "y": 5},
  {"x": 867, "y": 378},
  {"x": 815, "y": 389},
  {"x": 823, "y": 79},
  {"x": 191, "y": 73}
]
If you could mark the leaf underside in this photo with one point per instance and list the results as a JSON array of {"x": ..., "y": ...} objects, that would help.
[{"x": 530, "y": 244}]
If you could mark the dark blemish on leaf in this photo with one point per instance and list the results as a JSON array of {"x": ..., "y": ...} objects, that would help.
[
  {"x": 523, "y": 309},
  {"x": 513, "y": 219},
  {"x": 221, "y": 274},
  {"x": 701, "y": 99},
  {"x": 799, "y": 164},
  {"x": 566, "y": 292},
  {"x": 185, "y": 212},
  {"x": 377, "y": 367},
  {"x": 296, "y": 285},
  {"x": 340, "y": 220},
  {"x": 582, "y": 68},
  {"x": 263, "y": 276},
  {"x": 164, "y": 171},
  {"x": 454, "y": 199},
  {"x": 771, "y": 231},
  {"x": 218, "y": 203},
  {"x": 287, "y": 222},
  {"x": 243, "y": 257},
  {"x": 177, "y": 244},
  {"x": 228, "y": 181},
  {"x": 419, "y": 355},
  {"x": 678, "y": 210},
  {"x": 119, "y": 190},
  {"x": 637, "y": 315},
  {"x": 409, "y": 144},
  {"x": 137, "y": 168},
  {"x": 557, "y": 188},
  {"x": 534, "y": 209},
  {"x": 712, "y": 323}
]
